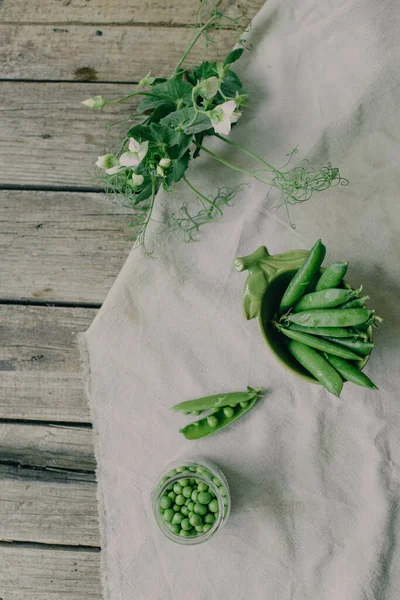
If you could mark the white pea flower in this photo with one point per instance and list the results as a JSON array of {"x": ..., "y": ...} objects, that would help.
[
  {"x": 137, "y": 152},
  {"x": 207, "y": 88},
  {"x": 137, "y": 179},
  {"x": 223, "y": 115},
  {"x": 95, "y": 102},
  {"x": 160, "y": 171},
  {"x": 109, "y": 163},
  {"x": 146, "y": 80},
  {"x": 165, "y": 163}
]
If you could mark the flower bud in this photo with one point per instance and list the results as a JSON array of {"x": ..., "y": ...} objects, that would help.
[
  {"x": 95, "y": 102},
  {"x": 165, "y": 162},
  {"x": 160, "y": 171},
  {"x": 137, "y": 179},
  {"x": 207, "y": 88}
]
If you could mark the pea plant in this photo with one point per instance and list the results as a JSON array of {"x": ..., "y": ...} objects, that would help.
[{"x": 174, "y": 118}]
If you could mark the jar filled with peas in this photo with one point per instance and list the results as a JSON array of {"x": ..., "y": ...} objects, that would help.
[{"x": 191, "y": 501}]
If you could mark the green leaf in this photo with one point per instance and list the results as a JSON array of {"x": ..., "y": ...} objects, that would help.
[
  {"x": 233, "y": 56},
  {"x": 232, "y": 84},
  {"x": 174, "y": 91},
  {"x": 186, "y": 120},
  {"x": 199, "y": 137},
  {"x": 144, "y": 193},
  {"x": 203, "y": 71},
  {"x": 182, "y": 144},
  {"x": 158, "y": 135},
  {"x": 177, "y": 169},
  {"x": 160, "y": 112}
]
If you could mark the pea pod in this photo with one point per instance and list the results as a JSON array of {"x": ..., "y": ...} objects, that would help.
[
  {"x": 329, "y": 298},
  {"x": 217, "y": 401},
  {"x": 318, "y": 366},
  {"x": 332, "y": 276},
  {"x": 337, "y": 332},
  {"x": 356, "y": 303},
  {"x": 350, "y": 372},
  {"x": 302, "y": 279},
  {"x": 373, "y": 320},
  {"x": 330, "y": 317},
  {"x": 217, "y": 421},
  {"x": 361, "y": 347},
  {"x": 318, "y": 343}
]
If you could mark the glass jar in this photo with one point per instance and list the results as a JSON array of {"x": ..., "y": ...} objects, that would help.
[{"x": 212, "y": 484}]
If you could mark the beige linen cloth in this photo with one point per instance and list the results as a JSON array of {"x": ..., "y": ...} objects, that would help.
[{"x": 314, "y": 479}]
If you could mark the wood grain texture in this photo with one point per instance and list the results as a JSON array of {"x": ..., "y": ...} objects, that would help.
[
  {"x": 28, "y": 573},
  {"x": 40, "y": 370},
  {"x": 119, "y": 54},
  {"x": 104, "y": 12},
  {"x": 48, "y": 507},
  {"x": 58, "y": 246},
  {"x": 47, "y": 447},
  {"x": 45, "y": 128}
]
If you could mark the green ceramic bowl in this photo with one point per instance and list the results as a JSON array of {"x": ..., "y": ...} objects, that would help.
[{"x": 266, "y": 283}]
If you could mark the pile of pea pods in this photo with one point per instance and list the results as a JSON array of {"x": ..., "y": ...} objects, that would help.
[{"x": 326, "y": 323}]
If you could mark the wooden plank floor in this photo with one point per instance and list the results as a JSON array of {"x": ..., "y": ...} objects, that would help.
[{"x": 62, "y": 244}]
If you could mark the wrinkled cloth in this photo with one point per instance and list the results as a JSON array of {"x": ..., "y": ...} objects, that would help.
[{"x": 314, "y": 479}]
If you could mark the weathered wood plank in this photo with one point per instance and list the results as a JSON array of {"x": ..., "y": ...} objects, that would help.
[
  {"x": 28, "y": 573},
  {"x": 48, "y": 507},
  {"x": 119, "y": 54},
  {"x": 60, "y": 246},
  {"x": 51, "y": 447},
  {"x": 45, "y": 128},
  {"x": 124, "y": 11},
  {"x": 41, "y": 375}
]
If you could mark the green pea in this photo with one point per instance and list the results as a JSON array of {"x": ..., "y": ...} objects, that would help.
[
  {"x": 317, "y": 366},
  {"x": 165, "y": 502},
  {"x": 187, "y": 501},
  {"x": 217, "y": 481},
  {"x": 176, "y": 508},
  {"x": 196, "y": 413},
  {"x": 184, "y": 510},
  {"x": 213, "y": 506},
  {"x": 199, "y": 528},
  {"x": 244, "y": 404},
  {"x": 200, "y": 509},
  {"x": 185, "y": 524},
  {"x": 180, "y": 469},
  {"x": 180, "y": 500},
  {"x": 204, "y": 498},
  {"x": 172, "y": 473},
  {"x": 168, "y": 515},
  {"x": 195, "y": 520},
  {"x": 225, "y": 500},
  {"x": 209, "y": 518},
  {"x": 192, "y": 481},
  {"x": 222, "y": 490},
  {"x": 184, "y": 533},
  {"x": 187, "y": 491},
  {"x": 191, "y": 506},
  {"x": 190, "y": 514},
  {"x": 194, "y": 495},
  {"x": 228, "y": 411},
  {"x": 332, "y": 276},
  {"x": 177, "y": 489},
  {"x": 175, "y": 529},
  {"x": 225, "y": 511},
  {"x": 206, "y": 528},
  {"x": 302, "y": 278},
  {"x": 212, "y": 493},
  {"x": 212, "y": 421},
  {"x": 172, "y": 495},
  {"x": 177, "y": 518},
  {"x": 202, "y": 487},
  {"x": 184, "y": 482}
]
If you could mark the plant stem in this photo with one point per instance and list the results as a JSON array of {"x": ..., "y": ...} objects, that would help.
[
  {"x": 192, "y": 43},
  {"x": 228, "y": 164},
  {"x": 252, "y": 154},
  {"x": 200, "y": 195},
  {"x": 150, "y": 210},
  {"x": 130, "y": 96}
]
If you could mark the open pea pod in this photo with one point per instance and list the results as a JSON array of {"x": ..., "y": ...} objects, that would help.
[
  {"x": 218, "y": 420},
  {"x": 216, "y": 401}
]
